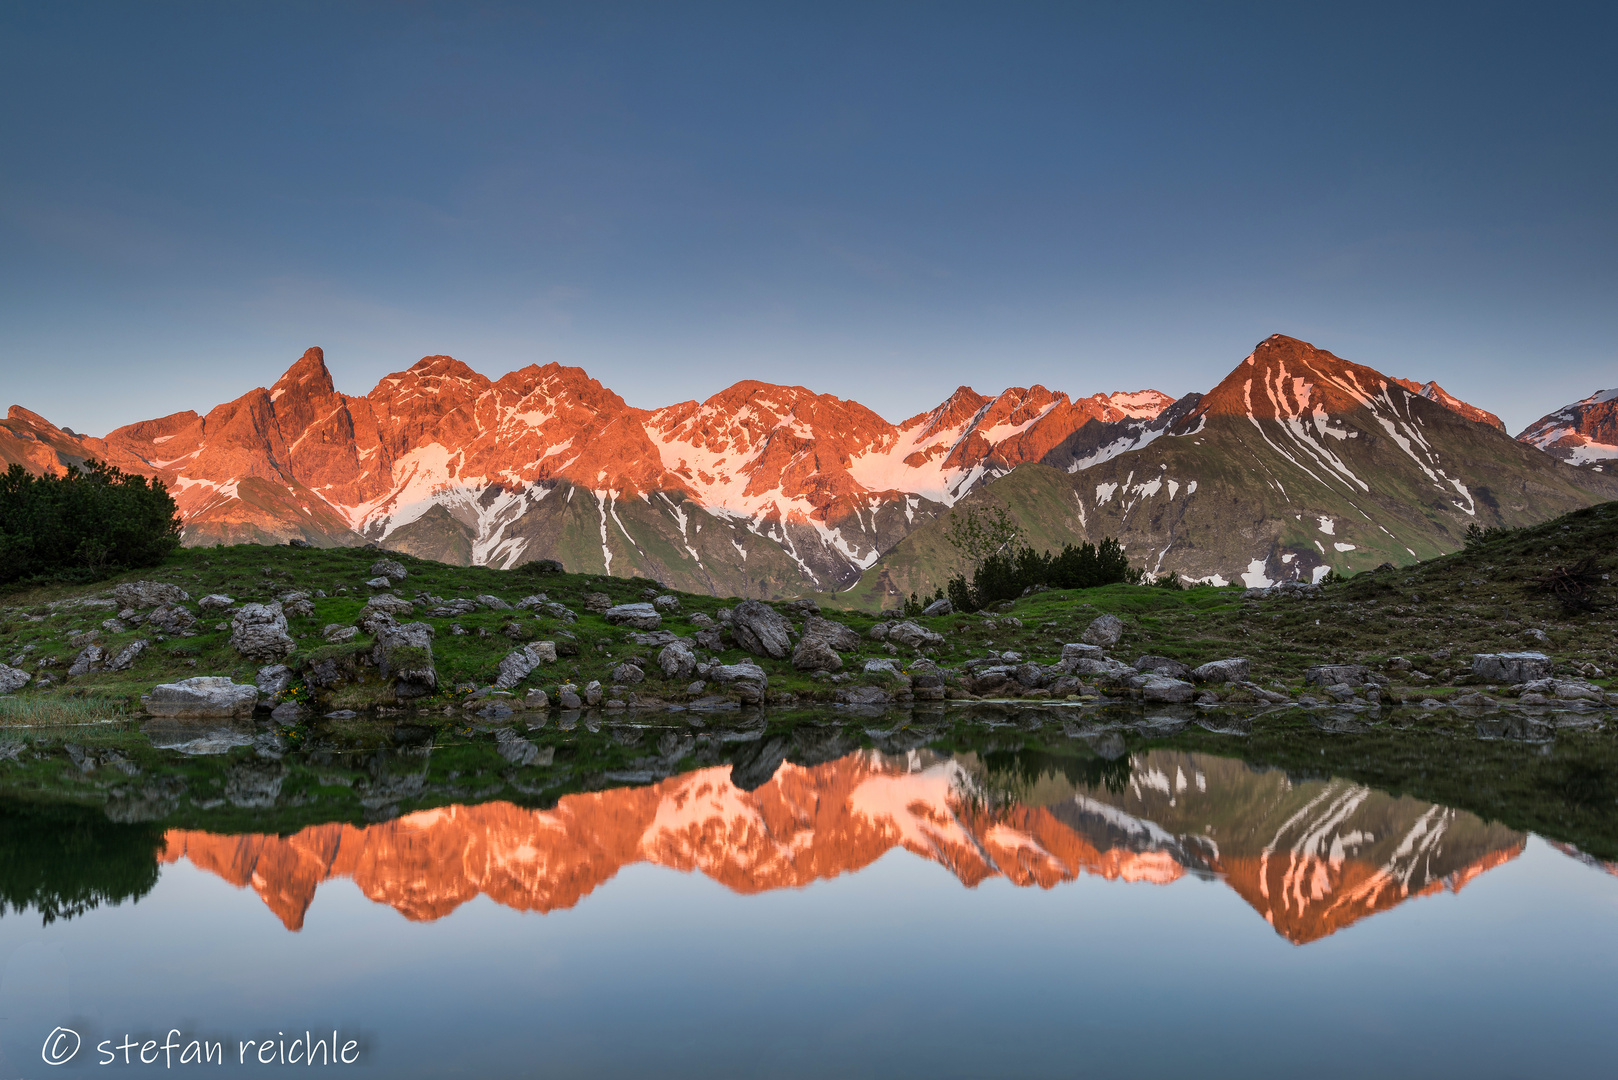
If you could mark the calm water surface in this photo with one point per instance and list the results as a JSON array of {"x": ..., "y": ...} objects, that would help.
[{"x": 954, "y": 908}]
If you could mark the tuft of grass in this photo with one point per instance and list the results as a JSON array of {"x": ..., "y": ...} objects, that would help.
[{"x": 41, "y": 711}]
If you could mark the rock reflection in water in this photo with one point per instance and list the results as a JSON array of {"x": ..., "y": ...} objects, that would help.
[{"x": 1311, "y": 857}]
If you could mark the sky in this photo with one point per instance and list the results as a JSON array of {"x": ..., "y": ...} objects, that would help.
[{"x": 878, "y": 201}]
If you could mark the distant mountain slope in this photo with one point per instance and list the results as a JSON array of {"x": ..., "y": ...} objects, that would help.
[
  {"x": 1584, "y": 433},
  {"x": 1433, "y": 392},
  {"x": 1298, "y": 461}
]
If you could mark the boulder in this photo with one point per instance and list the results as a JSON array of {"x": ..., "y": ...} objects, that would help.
[
  {"x": 88, "y": 660},
  {"x": 12, "y": 679},
  {"x": 493, "y": 603},
  {"x": 1236, "y": 669},
  {"x": 405, "y": 655},
  {"x": 1105, "y": 631},
  {"x": 141, "y": 595},
  {"x": 1161, "y": 688},
  {"x": 1032, "y": 676},
  {"x": 702, "y": 622},
  {"x": 171, "y": 619},
  {"x": 215, "y": 602},
  {"x": 627, "y": 674},
  {"x": 864, "y": 695},
  {"x": 913, "y": 636},
  {"x": 518, "y": 663},
  {"x": 879, "y": 632},
  {"x": 259, "y": 632},
  {"x": 127, "y": 655},
  {"x": 667, "y": 602},
  {"x": 637, "y": 616},
  {"x": 338, "y": 634},
  {"x": 816, "y": 654},
  {"x": 391, "y": 569},
  {"x": 938, "y": 607},
  {"x": 761, "y": 630},
  {"x": 538, "y": 600},
  {"x": 883, "y": 666},
  {"x": 1511, "y": 667},
  {"x": 203, "y": 698},
  {"x": 712, "y": 639},
  {"x": 735, "y": 673},
  {"x": 677, "y": 660},
  {"x": 924, "y": 674},
  {"x": 1162, "y": 665},
  {"x": 274, "y": 679},
  {"x": 835, "y": 634},
  {"x": 536, "y": 699},
  {"x": 653, "y": 639},
  {"x": 559, "y": 611},
  {"x": 597, "y": 602},
  {"x": 296, "y": 604},
  {"x": 379, "y": 583},
  {"x": 1073, "y": 652},
  {"x": 1334, "y": 674},
  {"x": 397, "y": 606}
]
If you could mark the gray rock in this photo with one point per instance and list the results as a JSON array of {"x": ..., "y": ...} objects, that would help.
[
  {"x": 12, "y": 679},
  {"x": 938, "y": 607},
  {"x": 379, "y": 583},
  {"x": 1341, "y": 692},
  {"x": 215, "y": 602},
  {"x": 88, "y": 660},
  {"x": 338, "y": 634},
  {"x": 627, "y": 674},
  {"x": 597, "y": 602},
  {"x": 1236, "y": 669},
  {"x": 702, "y": 622},
  {"x": 519, "y": 663},
  {"x": 171, "y": 619},
  {"x": 761, "y": 630},
  {"x": 1161, "y": 688},
  {"x": 653, "y": 639},
  {"x": 667, "y": 602},
  {"x": 297, "y": 605},
  {"x": 141, "y": 595},
  {"x": 127, "y": 655},
  {"x": 924, "y": 674},
  {"x": 913, "y": 636},
  {"x": 1105, "y": 631},
  {"x": 405, "y": 655},
  {"x": 290, "y": 712},
  {"x": 205, "y": 697},
  {"x": 559, "y": 611},
  {"x": 711, "y": 639},
  {"x": 864, "y": 695},
  {"x": 1162, "y": 665},
  {"x": 816, "y": 654},
  {"x": 835, "y": 634},
  {"x": 592, "y": 692},
  {"x": 879, "y": 632},
  {"x": 113, "y": 626},
  {"x": 493, "y": 603},
  {"x": 637, "y": 616},
  {"x": 1333, "y": 674},
  {"x": 538, "y": 600},
  {"x": 734, "y": 673},
  {"x": 274, "y": 679},
  {"x": 1512, "y": 667},
  {"x": 676, "y": 660},
  {"x": 391, "y": 569},
  {"x": 259, "y": 632},
  {"x": 1032, "y": 676},
  {"x": 536, "y": 700},
  {"x": 1073, "y": 652}
]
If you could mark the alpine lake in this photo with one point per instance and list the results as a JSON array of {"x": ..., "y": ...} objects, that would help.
[{"x": 952, "y": 890}]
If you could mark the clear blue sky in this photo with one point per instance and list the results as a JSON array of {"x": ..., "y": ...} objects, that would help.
[{"x": 877, "y": 201}]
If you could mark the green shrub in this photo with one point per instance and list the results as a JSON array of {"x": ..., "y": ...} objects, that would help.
[
  {"x": 1005, "y": 576},
  {"x": 87, "y": 524}
]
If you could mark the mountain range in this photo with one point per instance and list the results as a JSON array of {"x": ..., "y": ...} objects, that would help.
[
  {"x": 1296, "y": 462},
  {"x": 1312, "y": 856}
]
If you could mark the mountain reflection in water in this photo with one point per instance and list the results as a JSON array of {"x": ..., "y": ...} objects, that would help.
[{"x": 1311, "y": 857}]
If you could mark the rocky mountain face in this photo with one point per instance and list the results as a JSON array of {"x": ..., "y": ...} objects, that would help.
[
  {"x": 1433, "y": 392},
  {"x": 1296, "y": 462},
  {"x": 1312, "y": 857},
  {"x": 1584, "y": 433},
  {"x": 759, "y": 490}
]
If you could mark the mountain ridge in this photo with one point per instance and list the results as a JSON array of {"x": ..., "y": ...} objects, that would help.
[{"x": 799, "y": 491}]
